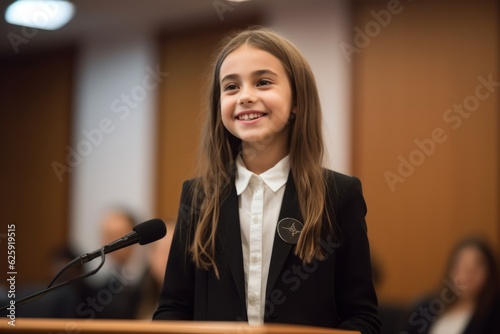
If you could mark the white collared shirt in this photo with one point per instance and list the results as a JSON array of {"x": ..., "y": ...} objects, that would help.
[
  {"x": 451, "y": 323},
  {"x": 259, "y": 198}
]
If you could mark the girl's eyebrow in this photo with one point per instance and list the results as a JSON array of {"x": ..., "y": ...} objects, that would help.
[{"x": 255, "y": 74}]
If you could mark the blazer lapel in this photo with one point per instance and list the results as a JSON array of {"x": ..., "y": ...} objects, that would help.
[
  {"x": 230, "y": 236},
  {"x": 281, "y": 250}
]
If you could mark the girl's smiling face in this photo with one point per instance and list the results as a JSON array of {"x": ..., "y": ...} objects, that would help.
[{"x": 256, "y": 97}]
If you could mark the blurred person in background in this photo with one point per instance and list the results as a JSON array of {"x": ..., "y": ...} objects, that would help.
[
  {"x": 470, "y": 301},
  {"x": 127, "y": 287},
  {"x": 115, "y": 224},
  {"x": 117, "y": 293}
]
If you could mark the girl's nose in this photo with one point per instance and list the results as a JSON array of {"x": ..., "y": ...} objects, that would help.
[{"x": 247, "y": 96}]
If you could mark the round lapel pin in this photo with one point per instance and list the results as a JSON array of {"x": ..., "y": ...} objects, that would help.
[{"x": 289, "y": 230}]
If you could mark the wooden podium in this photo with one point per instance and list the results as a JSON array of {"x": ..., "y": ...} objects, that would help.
[{"x": 77, "y": 326}]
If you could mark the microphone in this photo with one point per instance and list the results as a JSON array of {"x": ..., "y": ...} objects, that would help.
[{"x": 144, "y": 233}]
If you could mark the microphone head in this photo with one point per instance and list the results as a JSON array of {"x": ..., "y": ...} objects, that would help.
[{"x": 151, "y": 230}]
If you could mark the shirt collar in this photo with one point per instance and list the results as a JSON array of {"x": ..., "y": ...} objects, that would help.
[{"x": 274, "y": 178}]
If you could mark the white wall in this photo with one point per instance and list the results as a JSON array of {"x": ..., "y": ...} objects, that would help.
[
  {"x": 317, "y": 28},
  {"x": 119, "y": 169}
]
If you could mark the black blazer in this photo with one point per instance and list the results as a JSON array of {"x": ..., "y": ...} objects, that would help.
[{"x": 334, "y": 292}]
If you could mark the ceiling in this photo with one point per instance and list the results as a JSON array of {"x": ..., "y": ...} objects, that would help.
[{"x": 112, "y": 17}]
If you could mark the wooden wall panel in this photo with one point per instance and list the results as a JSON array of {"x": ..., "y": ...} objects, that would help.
[
  {"x": 35, "y": 100},
  {"x": 186, "y": 59},
  {"x": 430, "y": 57}
]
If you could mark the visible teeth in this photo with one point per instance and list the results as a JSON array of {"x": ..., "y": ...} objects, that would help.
[{"x": 247, "y": 117}]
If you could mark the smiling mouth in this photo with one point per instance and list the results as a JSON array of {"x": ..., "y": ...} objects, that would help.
[{"x": 249, "y": 117}]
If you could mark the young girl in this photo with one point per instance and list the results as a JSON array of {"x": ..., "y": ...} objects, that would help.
[{"x": 265, "y": 234}]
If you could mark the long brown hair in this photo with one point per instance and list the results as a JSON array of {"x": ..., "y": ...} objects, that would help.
[{"x": 219, "y": 149}]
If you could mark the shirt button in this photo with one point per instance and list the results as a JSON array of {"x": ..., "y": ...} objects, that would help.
[
  {"x": 252, "y": 299},
  {"x": 255, "y": 219},
  {"x": 255, "y": 258}
]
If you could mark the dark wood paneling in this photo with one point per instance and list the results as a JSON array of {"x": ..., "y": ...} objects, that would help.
[
  {"x": 427, "y": 60},
  {"x": 35, "y": 100}
]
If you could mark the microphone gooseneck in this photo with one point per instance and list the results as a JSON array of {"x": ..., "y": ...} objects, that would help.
[{"x": 144, "y": 233}]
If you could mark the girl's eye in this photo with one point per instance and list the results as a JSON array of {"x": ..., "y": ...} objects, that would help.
[
  {"x": 230, "y": 87},
  {"x": 263, "y": 82}
]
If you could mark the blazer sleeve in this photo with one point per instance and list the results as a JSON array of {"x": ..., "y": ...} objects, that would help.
[
  {"x": 355, "y": 294},
  {"x": 177, "y": 295}
]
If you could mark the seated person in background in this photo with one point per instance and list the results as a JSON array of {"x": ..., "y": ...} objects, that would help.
[
  {"x": 471, "y": 304},
  {"x": 118, "y": 292}
]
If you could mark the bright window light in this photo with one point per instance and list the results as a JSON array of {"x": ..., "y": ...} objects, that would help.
[{"x": 41, "y": 14}]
